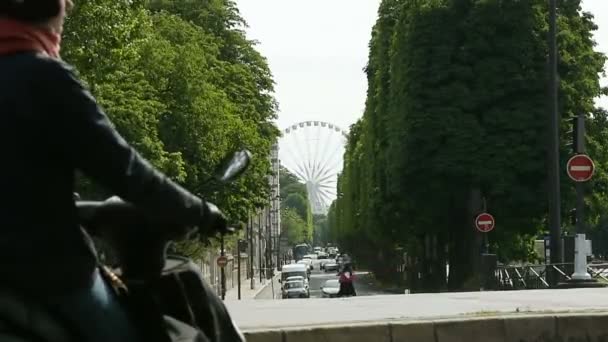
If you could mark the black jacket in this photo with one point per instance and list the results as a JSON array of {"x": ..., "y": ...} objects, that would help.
[{"x": 50, "y": 127}]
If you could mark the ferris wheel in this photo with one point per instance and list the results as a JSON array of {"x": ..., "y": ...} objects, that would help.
[{"x": 313, "y": 151}]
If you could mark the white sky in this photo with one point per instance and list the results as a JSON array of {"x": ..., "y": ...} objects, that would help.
[{"x": 317, "y": 49}]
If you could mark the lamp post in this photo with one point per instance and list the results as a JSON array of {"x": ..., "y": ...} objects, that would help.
[{"x": 553, "y": 150}]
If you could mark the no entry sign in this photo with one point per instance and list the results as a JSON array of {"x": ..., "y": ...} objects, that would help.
[
  {"x": 484, "y": 222},
  {"x": 222, "y": 261},
  {"x": 580, "y": 168}
]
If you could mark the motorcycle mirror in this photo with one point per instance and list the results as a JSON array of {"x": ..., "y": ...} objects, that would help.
[{"x": 233, "y": 166}]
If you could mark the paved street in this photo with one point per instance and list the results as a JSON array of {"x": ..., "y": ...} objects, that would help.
[
  {"x": 363, "y": 284},
  {"x": 263, "y": 314}
]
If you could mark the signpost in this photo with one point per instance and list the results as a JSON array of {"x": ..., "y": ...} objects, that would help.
[
  {"x": 580, "y": 168},
  {"x": 242, "y": 248},
  {"x": 222, "y": 261},
  {"x": 484, "y": 222}
]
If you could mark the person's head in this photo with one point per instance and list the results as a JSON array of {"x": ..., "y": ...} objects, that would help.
[{"x": 47, "y": 14}]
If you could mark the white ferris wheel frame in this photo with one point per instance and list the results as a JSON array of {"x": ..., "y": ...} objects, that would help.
[{"x": 319, "y": 174}]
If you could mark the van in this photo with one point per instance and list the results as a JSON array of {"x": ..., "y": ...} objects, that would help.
[{"x": 294, "y": 270}]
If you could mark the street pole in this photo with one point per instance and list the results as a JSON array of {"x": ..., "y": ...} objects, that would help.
[
  {"x": 269, "y": 240},
  {"x": 251, "y": 261},
  {"x": 486, "y": 242},
  {"x": 238, "y": 267},
  {"x": 260, "y": 245},
  {"x": 580, "y": 242},
  {"x": 222, "y": 273},
  {"x": 553, "y": 153}
]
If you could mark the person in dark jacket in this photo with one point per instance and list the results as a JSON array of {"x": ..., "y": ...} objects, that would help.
[
  {"x": 347, "y": 287},
  {"x": 51, "y": 127}
]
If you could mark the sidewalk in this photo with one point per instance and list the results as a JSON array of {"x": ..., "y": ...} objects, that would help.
[{"x": 246, "y": 292}]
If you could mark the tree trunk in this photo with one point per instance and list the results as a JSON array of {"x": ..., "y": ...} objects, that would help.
[{"x": 464, "y": 245}]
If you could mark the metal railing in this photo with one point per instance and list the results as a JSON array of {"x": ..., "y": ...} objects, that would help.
[{"x": 526, "y": 277}]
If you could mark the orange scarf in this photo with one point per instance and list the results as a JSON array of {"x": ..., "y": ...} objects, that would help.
[{"x": 16, "y": 36}]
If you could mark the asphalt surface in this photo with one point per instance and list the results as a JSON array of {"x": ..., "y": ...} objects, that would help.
[
  {"x": 364, "y": 285},
  {"x": 363, "y": 282}
]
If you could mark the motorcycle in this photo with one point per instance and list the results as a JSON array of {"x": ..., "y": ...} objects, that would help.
[{"x": 165, "y": 296}]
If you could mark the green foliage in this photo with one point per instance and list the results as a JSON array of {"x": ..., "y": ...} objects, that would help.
[
  {"x": 294, "y": 226},
  {"x": 456, "y": 107},
  {"x": 182, "y": 84},
  {"x": 296, "y": 217},
  {"x": 321, "y": 235}
]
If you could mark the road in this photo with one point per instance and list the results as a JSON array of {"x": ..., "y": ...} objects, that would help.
[{"x": 363, "y": 284}]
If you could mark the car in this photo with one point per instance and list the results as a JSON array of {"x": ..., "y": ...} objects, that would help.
[
  {"x": 325, "y": 261},
  {"x": 295, "y": 288},
  {"x": 331, "y": 265},
  {"x": 307, "y": 263},
  {"x": 330, "y": 288},
  {"x": 294, "y": 278}
]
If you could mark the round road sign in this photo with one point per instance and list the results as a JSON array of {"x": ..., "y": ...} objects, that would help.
[
  {"x": 222, "y": 261},
  {"x": 580, "y": 168},
  {"x": 484, "y": 222}
]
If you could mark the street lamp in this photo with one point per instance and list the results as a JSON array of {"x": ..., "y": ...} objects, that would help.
[{"x": 553, "y": 151}]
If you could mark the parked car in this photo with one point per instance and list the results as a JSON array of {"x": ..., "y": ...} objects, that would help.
[{"x": 330, "y": 288}]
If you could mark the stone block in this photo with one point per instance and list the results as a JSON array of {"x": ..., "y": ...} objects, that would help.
[
  {"x": 264, "y": 336},
  {"x": 582, "y": 328},
  {"x": 348, "y": 333},
  {"x": 530, "y": 329},
  {"x": 468, "y": 330},
  {"x": 408, "y": 332}
]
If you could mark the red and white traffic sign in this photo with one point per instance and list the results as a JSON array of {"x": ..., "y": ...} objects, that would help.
[
  {"x": 222, "y": 261},
  {"x": 484, "y": 222},
  {"x": 580, "y": 168}
]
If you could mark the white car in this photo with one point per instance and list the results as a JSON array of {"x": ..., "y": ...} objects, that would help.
[
  {"x": 331, "y": 265},
  {"x": 295, "y": 288},
  {"x": 331, "y": 288},
  {"x": 310, "y": 256},
  {"x": 307, "y": 263}
]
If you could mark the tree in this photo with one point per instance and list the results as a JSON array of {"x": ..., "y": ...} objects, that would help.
[
  {"x": 294, "y": 227},
  {"x": 294, "y": 201},
  {"x": 455, "y": 122},
  {"x": 184, "y": 91}
]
